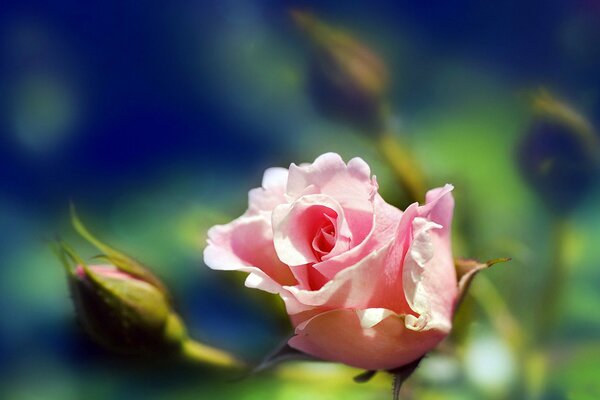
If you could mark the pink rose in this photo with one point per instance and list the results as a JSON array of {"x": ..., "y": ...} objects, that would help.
[{"x": 364, "y": 283}]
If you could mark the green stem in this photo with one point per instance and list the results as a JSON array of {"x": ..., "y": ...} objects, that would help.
[
  {"x": 406, "y": 169},
  {"x": 398, "y": 156},
  {"x": 548, "y": 311},
  {"x": 552, "y": 291},
  {"x": 199, "y": 353},
  {"x": 498, "y": 312}
]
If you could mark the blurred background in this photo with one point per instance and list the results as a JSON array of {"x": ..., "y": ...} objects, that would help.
[{"x": 156, "y": 119}]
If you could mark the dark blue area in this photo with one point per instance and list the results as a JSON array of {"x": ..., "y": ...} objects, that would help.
[
  {"x": 144, "y": 113},
  {"x": 241, "y": 323}
]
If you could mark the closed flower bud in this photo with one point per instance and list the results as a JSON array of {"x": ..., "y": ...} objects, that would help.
[
  {"x": 123, "y": 313},
  {"x": 127, "y": 309},
  {"x": 120, "y": 304},
  {"x": 347, "y": 81},
  {"x": 559, "y": 155}
]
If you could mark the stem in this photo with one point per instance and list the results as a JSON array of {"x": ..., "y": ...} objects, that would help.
[
  {"x": 200, "y": 353},
  {"x": 549, "y": 308},
  {"x": 406, "y": 169},
  {"x": 498, "y": 312},
  {"x": 552, "y": 291}
]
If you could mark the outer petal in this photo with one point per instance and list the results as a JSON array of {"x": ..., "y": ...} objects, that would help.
[
  {"x": 333, "y": 177},
  {"x": 429, "y": 274},
  {"x": 246, "y": 244},
  {"x": 271, "y": 194},
  {"x": 371, "y": 339},
  {"x": 275, "y": 178},
  {"x": 439, "y": 208}
]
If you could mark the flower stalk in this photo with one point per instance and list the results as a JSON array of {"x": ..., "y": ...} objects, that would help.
[
  {"x": 403, "y": 164},
  {"x": 553, "y": 288},
  {"x": 196, "y": 352}
]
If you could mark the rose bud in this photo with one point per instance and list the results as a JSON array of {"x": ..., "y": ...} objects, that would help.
[
  {"x": 125, "y": 308},
  {"x": 560, "y": 154},
  {"x": 347, "y": 81},
  {"x": 363, "y": 282},
  {"x": 121, "y": 312}
]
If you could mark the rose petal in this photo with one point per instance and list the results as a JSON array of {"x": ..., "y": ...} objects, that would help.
[
  {"x": 438, "y": 285},
  {"x": 420, "y": 253},
  {"x": 271, "y": 194},
  {"x": 439, "y": 208},
  {"x": 385, "y": 219},
  {"x": 338, "y": 336},
  {"x": 347, "y": 183},
  {"x": 372, "y": 316},
  {"x": 229, "y": 248},
  {"x": 429, "y": 274},
  {"x": 296, "y": 225},
  {"x": 275, "y": 178}
]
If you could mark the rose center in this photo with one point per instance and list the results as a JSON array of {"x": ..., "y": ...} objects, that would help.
[{"x": 324, "y": 238}]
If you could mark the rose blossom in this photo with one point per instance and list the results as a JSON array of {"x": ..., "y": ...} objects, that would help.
[{"x": 363, "y": 282}]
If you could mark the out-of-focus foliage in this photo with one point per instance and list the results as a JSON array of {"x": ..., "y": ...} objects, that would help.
[
  {"x": 156, "y": 120},
  {"x": 560, "y": 154}
]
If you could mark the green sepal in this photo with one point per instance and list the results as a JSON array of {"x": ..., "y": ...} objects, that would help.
[
  {"x": 67, "y": 256},
  {"x": 365, "y": 376},
  {"x": 59, "y": 251},
  {"x": 120, "y": 260},
  {"x": 466, "y": 269}
]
